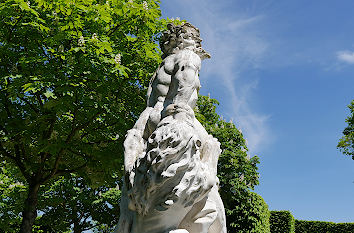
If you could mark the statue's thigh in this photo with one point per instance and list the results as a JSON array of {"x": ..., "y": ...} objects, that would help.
[{"x": 202, "y": 215}]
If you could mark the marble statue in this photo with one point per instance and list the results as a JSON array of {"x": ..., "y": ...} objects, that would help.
[{"x": 170, "y": 183}]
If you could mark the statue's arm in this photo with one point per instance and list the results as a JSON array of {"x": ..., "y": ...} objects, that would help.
[
  {"x": 134, "y": 143},
  {"x": 210, "y": 150},
  {"x": 151, "y": 98}
]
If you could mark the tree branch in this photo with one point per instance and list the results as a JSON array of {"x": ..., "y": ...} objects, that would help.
[
  {"x": 77, "y": 153},
  {"x": 116, "y": 27},
  {"x": 39, "y": 99},
  {"x": 17, "y": 161},
  {"x": 31, "y": 105},
  {"x": 87, "y": 123},
  {"x": 44, "y": 156},
  {"x": 62, "y": 172},
  {"x": 100, "y": 141},
  {"x": 13, "y": 28},
  {"x": 22, "y": 148},
  {"x": 92, "y": 226},
  {"x": 6, "y": 104},
  {"x": 99, "y": 127},
  {"x": 68, "y": 139}
]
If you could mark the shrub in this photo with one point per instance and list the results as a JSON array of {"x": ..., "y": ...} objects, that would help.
[
  {"x": 281, "y": 222},
  {"x": 261, "y": 213},
  {"x": 302, "y": 226},
  {"x": 249, "y": 216},
  {"x": 245, "y": 211}
]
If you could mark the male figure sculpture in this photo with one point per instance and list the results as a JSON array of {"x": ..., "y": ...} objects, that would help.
[{"x": 170, "y": 160}]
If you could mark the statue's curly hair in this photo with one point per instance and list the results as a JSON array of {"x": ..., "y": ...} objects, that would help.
[{"x": 172, "y": 39}]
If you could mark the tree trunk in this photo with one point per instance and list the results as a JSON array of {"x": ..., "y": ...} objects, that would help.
[
  {"x": 29, "y": 212},
  {"x": 77, "y": 226}
]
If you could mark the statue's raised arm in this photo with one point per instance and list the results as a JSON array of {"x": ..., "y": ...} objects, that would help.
[{"x": 170, "y": 160}]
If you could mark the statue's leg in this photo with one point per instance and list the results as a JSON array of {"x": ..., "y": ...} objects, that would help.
[
  {"x": 219, "y": 225},
  {"x": 201, "y": 216},
  {"x": 126, "y": 216},
  {"x": 206, "y": 216}
]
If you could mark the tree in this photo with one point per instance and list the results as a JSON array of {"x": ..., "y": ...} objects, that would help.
[
  {"x": 12, "y": 195},
  {"x": 73, "y": 75},
  {"x": 68, "y": 205},
  {"x": 73, "y": 78},
  {"x": 78, "y": 207},
  {"x": 237, "y": 172},
  {"x": 346, "y": 143}
]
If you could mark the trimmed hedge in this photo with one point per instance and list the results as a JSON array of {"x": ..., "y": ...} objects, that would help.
[
  {"x": 284, "y": 222},
  {"x": 281, "y": 222},
  {"x": 251, "y": 215},
  {"x": 302, "y": 226},
  {"x": 260, "y": 213}
]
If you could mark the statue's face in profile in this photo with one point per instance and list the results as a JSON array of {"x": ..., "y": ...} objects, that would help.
[
  {"x": 180, "y": 41},
  {"x": 186, "y": 40}
]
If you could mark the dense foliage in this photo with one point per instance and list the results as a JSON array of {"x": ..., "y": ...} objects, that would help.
[
  {"x": 346, "y": 143},
  {"x": 74, "y": 204},
  {"x": 253, "y": 215},
  {"x": 12, "y": 194},
  {"x": 284, "y": 222},
  {"x": 302, "y": 226},
  {"x": 237, "y": 172},
  {"x": 281, "y": 222},
  {"x": 73, "y": 75},
  {"x": 73, "y": 78}
]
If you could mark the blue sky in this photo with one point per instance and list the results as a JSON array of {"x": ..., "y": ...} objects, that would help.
[{"x": 283, "y": 71}]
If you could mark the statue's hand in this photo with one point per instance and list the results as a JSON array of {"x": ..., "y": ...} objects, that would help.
[
  {"x": 210, "y": 153},
  {"x": 133, "y": 147}
]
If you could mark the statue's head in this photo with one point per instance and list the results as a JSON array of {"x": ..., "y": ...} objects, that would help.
[{"x": 179, "y": 37}]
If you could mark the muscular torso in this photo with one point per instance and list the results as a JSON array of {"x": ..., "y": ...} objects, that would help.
[
  {"x": 182, "y": 70},
  {"x": 160, "y": 83},
  {"x": 175, "y": 81}
]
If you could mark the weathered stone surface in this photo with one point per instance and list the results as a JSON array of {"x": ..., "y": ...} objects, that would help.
[{"x": 170, "y": 160}]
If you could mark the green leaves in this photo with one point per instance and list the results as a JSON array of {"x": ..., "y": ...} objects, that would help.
[
  {"x": 303, "y": 226},
  {"x": 71, "y": 200},
  {"x": 12, "y": 195},
  {"x": 73, "y": 78},
  {"x": 105, "y": 45},
  {"x": 237, "y": 172},
  {"x": 346, "y": 143},
  {"x": 61, "y": 57},
  {"x": 282, "y": 222},
  {"x": 49, "y": 94}
]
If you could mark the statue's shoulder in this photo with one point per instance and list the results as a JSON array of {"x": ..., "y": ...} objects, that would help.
[
  {"x": 190, "y": 57},
  {"x": 169, "y": 63}
]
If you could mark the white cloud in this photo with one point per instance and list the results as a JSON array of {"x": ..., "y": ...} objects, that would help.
[
  {"x": 237, "y": 46},
  {"x": 346, "y": 56}
]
